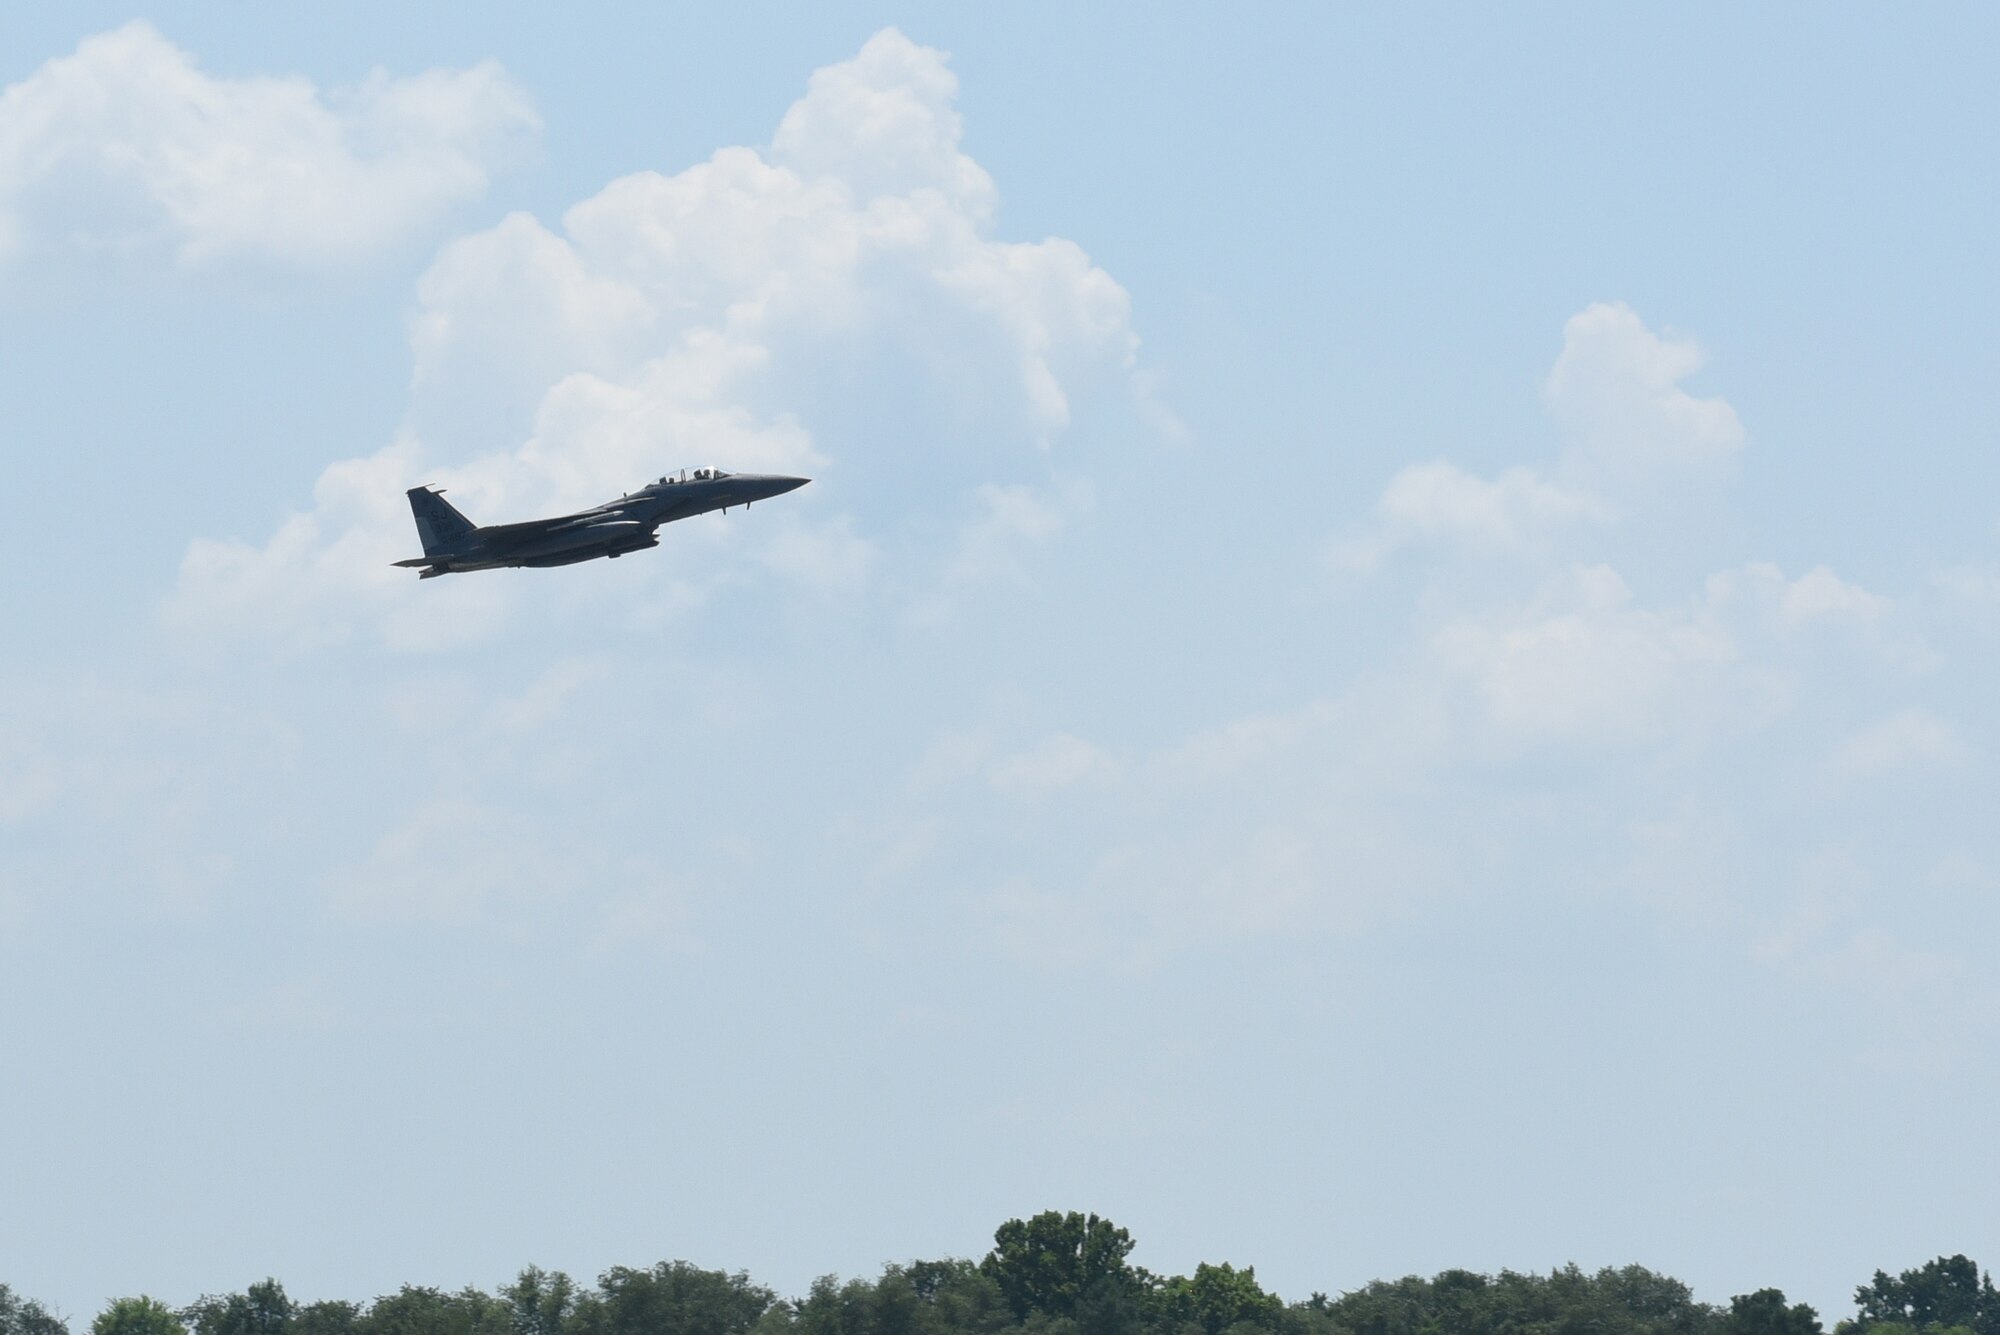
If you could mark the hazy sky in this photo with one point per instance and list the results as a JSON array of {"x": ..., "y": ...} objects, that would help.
[{"x": 1387, "y": 666}]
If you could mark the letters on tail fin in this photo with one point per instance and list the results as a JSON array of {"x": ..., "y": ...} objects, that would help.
[{"x": 439, "y": 527}]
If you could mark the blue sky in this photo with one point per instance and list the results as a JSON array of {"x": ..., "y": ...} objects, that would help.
[{"x": 1383, "y": 669}]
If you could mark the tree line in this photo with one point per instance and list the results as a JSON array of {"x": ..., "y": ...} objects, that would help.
[{"x": 1056, "y": 1274}]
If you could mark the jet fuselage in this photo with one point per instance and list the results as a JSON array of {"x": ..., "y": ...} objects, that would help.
[{"x": 452, "y": 543}]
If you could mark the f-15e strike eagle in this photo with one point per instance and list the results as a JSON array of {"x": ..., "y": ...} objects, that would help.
[{"x": 629, "y": 524}]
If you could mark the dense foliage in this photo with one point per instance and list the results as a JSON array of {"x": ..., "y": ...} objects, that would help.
[{"x": 1057, "y": 1274}]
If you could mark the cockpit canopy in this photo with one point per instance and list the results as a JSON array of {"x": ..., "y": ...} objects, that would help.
[{"x": 709, "y": 474}]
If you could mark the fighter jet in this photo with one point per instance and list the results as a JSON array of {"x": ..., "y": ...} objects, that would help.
[{"x": 629, "y": 524}]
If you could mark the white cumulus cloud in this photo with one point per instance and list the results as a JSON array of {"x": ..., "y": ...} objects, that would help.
[
  {"x": 1442, "y": 500},
  {"x": 1821, "y": 595},
  {"x": 127, "y": 145},
  {"x": 884, "y": 123},
  {"x": 1059, "y": 762},
  {"x": 1439, "y": 501},
  {"x": 451, "y": 862},
  {"x": 1616, "y": 388},
  {"x": 1584, "y": 664},
  {"x": 1817, "y": 598},
  {"x": 1910, "y": 739},
  {"x": 833, "y": 304}
]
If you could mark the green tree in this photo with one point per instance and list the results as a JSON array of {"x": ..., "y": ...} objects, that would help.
[
  {"x": 1949, "y": 1291},
  {"x": 333, "y": 1317},
  {"x": 957, "y": 1297},
  {"x": 1046, "y": 1264},
  {"x": 833, "y": 1308},
  {"x": 1215, "y": 1299},
  {"x": 921, "y": 1298},
  {"x": 416, "y": 1310},
  {"x": 1567, "y": 1301},
  {"x": 1766, "y": 1313},
  {"x": 672, "y": 1298},
  {"x": 1111, "y": 1305},
  {"x": 1396, "y": 1307},
  {"x": 541, "y": 1302},
  {"x": 138, "y": 1316},
  {"x": 25, "y": 1316},
  {"x": 1650, "y": 1301},
  {"x": 261, "y": 1309}
]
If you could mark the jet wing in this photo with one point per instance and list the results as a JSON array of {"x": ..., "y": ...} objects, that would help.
[
  {"x": 530, "y": 529},
  {"x": 539, "y": 528}
]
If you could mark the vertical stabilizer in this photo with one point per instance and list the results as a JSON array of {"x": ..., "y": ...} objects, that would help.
[{"x": 440, "y": 528}]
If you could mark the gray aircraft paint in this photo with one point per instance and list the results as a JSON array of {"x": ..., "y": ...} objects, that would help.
[{"x": 453, "y": 543}]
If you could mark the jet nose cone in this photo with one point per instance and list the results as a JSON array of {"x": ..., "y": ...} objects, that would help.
[{"x": 777, "y": 484}]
